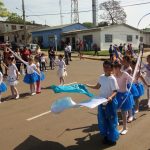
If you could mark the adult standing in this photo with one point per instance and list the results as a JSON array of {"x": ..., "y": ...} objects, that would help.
[
  {"x": 51, "y": 54},
  {"x": 66, "y": 55},
  {"x": 111, "y": 53},
  {"x": 69, "y": 51},
  {"x": 18, "y": 62}
]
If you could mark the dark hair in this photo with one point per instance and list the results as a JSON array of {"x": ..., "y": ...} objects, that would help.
[
  {"x": 148, "y": 56},
  {"x": 127, "y": 58},
  {"x": 108, "y": 63},
  {"x": 133, "y": 61},
  {"x": 117, "y": 64},
  {"x": 30, "y": 58},
  {"x": 11, "y": 58},
  {"x": 60, "y": 56}
]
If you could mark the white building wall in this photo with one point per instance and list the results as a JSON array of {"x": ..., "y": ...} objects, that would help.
[{"x": 119, "y": 34}]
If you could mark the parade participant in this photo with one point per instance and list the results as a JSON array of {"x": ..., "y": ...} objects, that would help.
[
  {"x": 124, "y": 97},
  {"x": 18, "y": 62},
  {"x": 32, "y": 75},
  {"x": 13, "y": 76},
  {"x": 41, "y": 77},
  {"x": 107, "y": 113},
  {"x": 3, "y": 87},
  {"x": 147, "y": 78},
  {"x": 61, "y": 70}
]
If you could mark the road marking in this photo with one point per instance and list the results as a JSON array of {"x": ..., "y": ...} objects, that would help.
[{"x": 40, "y": 115}]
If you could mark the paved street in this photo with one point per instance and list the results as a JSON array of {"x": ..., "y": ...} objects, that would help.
[{"x": 74, "y": 129}]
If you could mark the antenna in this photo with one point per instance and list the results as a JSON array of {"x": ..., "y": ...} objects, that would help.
[{"x": 74, "y": 11}]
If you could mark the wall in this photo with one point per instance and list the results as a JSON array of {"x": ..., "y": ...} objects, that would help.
[{"x": 120, "y": 33}]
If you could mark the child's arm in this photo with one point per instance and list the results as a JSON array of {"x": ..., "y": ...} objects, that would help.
[
  {"x": 97, "y": 86},
  {"x": 110, "y": 98},
  {"x": 5, "y": 66},
  {"x": 143, "y": 80},
  {"x": 17, "y": 74}
]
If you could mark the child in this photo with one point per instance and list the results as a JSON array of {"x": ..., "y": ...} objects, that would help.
[
  {"x": 12, "y": 77},
  {"x": 124, "y": 98},
  {"x": 61, "y": 69},
  {"x": 3, "y": 87},
  {"x": 107, "y": 113},
  {"x": 43, "y": 62},
  {"x": 32, "y": 75},
  {"x": 41, "y": 77},
  {"x": 147, "y": 78}
]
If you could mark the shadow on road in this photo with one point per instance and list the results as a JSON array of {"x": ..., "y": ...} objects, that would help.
[{"x": 89, "y": 142}]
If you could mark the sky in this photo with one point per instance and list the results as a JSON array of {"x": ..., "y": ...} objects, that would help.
[{"x": 32, "y": 7}]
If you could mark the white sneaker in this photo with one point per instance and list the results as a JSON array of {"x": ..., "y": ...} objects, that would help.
[
  {"x": 136, "y": 111},
  {"x": 32, "y": 94},
  {"x": 124, "y": 132},
  {"x": 17, "y": 97},
  {"x": 130, "y": 119}
]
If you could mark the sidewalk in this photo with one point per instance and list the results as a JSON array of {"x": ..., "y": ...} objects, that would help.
[{"x": 75, "y": 55}]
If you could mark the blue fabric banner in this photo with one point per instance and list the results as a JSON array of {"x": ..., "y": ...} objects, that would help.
[{"x": 73, "y": 88}]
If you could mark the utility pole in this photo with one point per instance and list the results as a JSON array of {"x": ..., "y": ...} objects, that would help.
[
  {"x": 74, "y": 11},
  {"x": 61, "y": 16},
  {"x": 24, "y": 23}
]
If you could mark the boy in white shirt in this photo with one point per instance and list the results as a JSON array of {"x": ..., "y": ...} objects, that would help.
[{"x": 107, "y": 113}]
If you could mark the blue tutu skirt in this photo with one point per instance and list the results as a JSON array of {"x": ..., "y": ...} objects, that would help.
[
  {"x": 31, "y": 78},
  {"x": 134, "y": 91},
  {"x": 108, "y": 120},
  {"x": 3, "y": 87},
  {"x": 125, "y": 101},
  {"x": 140, "y": 88},
  {"x": 41, "y": 77}
]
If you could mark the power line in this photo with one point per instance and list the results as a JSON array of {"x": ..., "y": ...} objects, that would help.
[{"x": 84, "y": 11}]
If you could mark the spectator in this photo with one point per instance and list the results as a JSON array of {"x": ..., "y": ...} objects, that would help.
[
  {"x": 111, "y": 53},
  {"x": 69, "y": 51}
]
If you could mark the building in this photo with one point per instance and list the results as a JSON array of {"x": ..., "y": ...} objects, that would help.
[
  {"x": 112, "y": 34},
  {"x": 13, "y": 32},
  {"x": 46, "y": 37}
]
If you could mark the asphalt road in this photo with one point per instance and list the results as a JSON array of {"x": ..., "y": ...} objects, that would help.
[{"x": 74, "y": 129}]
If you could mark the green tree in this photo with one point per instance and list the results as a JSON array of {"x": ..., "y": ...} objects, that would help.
[
  {"x": 3, "y": 11},
  {"x": 113, "y": 12},
  {"x": 88, "y": 24},
  {"x": 15, "y": 18}
]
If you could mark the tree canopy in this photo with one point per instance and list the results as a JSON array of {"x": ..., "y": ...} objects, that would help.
[
  {"x": 3, "y": 11},
  {"x": 113, "y": 12},
  {"x": 88, "y": 24}
]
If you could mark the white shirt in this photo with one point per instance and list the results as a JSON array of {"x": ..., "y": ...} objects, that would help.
[
  {"x": 31, "y": 68},
  {"x": 1, "y": 77},
  {"x": 69, "y": 48},
  {"x": 108, "y": 85},
  {"x": 43, "y": 59},
  {"x": 61, "y": 64},
  {"x": 12, "y": 70}
]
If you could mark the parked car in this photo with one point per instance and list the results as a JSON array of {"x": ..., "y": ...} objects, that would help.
[{"x": 32, "y": 47}]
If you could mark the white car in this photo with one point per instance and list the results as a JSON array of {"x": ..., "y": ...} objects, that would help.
[{"x": 32, "y": 47}]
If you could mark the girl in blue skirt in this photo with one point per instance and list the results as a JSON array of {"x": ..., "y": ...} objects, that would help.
[
  {"x": 3, "y": 87},
  {"x": 124, "y": 97},
  {"x": 32, "y": 75},
  {"x": 107, "y": 113},
  {"x": 41, "y": 77}
]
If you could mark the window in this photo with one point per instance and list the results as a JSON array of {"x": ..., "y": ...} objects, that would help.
[
  {"x": 108, "y": 38},
  {"x": 141, "y": 39},
  {"x": 129, "y": 38},
  {"x": 137, "y": 37},
  {"x": 23, "y": 37},
  {"x": 21, "y": 27},
  {"x": 13, "y": 27}
]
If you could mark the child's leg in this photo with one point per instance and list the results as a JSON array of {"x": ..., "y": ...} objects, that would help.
[
  {"x": 38, "y": 87},
  {"x": 62, "y": 80},
  {"x": 148, "y": 96},
  {"x": 12, "y": 91},
  {"x": 16, "y": 92},
  {"x": 0, "y": 97},
  {"x": 45, "y": 65},
  {"x": 136, "y": 105},
  {"x": 130, "y": 115},
  {"x": 124, "y": 117}
]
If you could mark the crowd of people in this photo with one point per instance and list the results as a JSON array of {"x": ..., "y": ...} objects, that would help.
[
  {"x": 122, "y": 91},
  {"x": 15, "y": 63}
]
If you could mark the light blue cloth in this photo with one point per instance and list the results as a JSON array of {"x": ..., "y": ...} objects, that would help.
[{"x": 73, "y": 88}]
